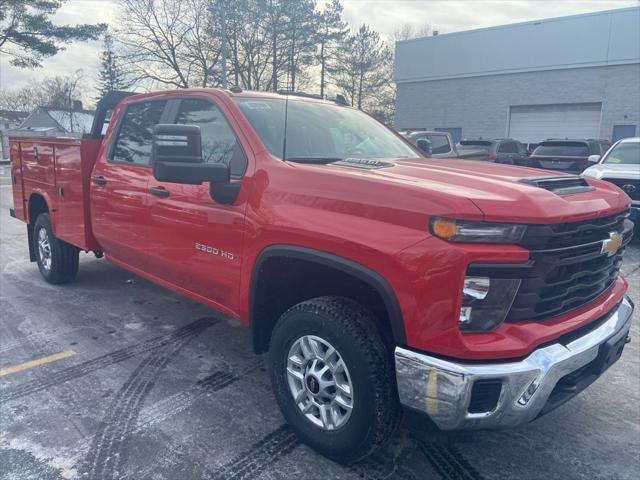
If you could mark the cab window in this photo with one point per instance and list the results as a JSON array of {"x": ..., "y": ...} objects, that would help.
[
  {"x": 133, "y": 143},
  {"x": 219, "y": 143}
]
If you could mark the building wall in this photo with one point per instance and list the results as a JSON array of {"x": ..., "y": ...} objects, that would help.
[
  {"x": 592, "y": 39},
  {"x": 480, "y": 105}
]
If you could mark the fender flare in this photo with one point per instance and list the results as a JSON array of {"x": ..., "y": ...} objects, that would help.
[{"x": 365, "y": 274}]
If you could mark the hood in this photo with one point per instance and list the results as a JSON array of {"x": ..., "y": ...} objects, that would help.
[
  {"x": 602, "y": 170},
  {"x": 497, "y": 190}
]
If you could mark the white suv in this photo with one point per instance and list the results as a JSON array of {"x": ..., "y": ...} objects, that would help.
[{"x": 621, "y": 165}]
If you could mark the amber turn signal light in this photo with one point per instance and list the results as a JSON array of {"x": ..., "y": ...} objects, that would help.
[{"x": 444, "y": 228}]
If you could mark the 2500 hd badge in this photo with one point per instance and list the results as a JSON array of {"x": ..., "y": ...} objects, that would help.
[{"x": 214, "y": 251}]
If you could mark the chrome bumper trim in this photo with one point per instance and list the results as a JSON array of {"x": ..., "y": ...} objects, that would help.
[{"x": 442, "y": 388}]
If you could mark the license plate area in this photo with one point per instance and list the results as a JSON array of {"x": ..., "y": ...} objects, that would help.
[
  {"x": 556, "y": 164},
  {"x": 611, "y": 351}
]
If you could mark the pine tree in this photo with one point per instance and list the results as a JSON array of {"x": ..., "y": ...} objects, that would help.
[
  {"x": 361, "y": 68},
  {"x": 28, "y": 36},
  {"x": 111, "y": 76},
  {"x": 331, "y": 32}
]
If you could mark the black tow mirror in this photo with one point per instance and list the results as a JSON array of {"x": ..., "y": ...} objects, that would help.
[
  {"x": 425, "y": 146},
  {"x": 176, "y": 156}
]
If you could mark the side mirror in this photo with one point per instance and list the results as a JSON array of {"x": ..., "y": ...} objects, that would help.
[
  {"x": 593, "y": 159},
  {"x": 425, "y": 146},
  {"x": 176, "y": 156}
]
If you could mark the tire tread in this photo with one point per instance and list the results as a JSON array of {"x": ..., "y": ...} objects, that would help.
[
  {"x": 65, "y": 258},
  {"x": 360, "y": 325}
]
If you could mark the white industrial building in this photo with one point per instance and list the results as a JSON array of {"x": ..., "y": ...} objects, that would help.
[{"x": 568, "y": 77}]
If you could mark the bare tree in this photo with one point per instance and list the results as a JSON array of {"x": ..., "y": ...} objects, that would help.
[
  {"x": 58, "y": 92},
  {"x": 170, "y": 42},
  {"x": 409, "y": 31},
  {"x": 24, "y": 99},
  {"x": 269, "y": 44}
]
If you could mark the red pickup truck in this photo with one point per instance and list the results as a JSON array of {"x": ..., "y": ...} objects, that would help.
[{"x": 480, "y": 295}]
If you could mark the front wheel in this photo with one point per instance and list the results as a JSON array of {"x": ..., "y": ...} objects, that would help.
[
  {"x": 57, "y": 260},
  {"x": 333, "y": 377}
]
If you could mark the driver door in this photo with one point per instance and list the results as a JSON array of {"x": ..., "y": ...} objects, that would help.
[{"x": 194, "y": 242}]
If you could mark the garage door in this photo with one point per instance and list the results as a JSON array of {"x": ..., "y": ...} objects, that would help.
[{"x": 534, "y": 123}]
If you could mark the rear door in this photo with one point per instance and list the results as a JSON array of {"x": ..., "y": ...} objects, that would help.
[
  {"x": 194, "y": 242},
  {"x": 19, "y": 202},
  {"x": 119, "y": 185}
]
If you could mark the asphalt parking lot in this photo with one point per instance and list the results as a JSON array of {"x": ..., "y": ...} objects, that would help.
[{"x": 130, "y": 381}]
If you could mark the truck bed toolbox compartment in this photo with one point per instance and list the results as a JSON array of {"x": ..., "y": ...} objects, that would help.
[{"x": 59, "y": 170}]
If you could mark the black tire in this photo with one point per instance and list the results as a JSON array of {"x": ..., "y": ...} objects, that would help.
[
  {"x": 63, "y": 265},
  {"x": 352, "y": 330}
]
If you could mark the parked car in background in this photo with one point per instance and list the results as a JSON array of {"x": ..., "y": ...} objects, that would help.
[
  {"x": 530, "y": 147},
  {"x": 567, "y": 155},
  {"x": 500, "y": 150},
  {"x": 433, "y": 144},
  {"x": 620, "y": 165}
]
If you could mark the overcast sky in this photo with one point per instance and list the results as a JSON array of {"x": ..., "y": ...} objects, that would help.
[{"x": 385, "y": 16}]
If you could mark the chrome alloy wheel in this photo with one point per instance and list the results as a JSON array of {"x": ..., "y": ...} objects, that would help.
[
  {"x": 319, "y": 382},
  {"x": 44, "y": 248}
]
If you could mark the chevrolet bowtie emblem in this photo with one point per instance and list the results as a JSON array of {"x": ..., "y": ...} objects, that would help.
[{"x": 612, "y": 244}]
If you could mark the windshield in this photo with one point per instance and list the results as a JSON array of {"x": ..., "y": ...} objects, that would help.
[
  {"x": 563, "y": 149},
  {"x": 320, "y": 131},
  {"x": 624, "y": 154}
]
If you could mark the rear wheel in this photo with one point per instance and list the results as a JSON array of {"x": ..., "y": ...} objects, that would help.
[
  {"x": 333, "y": 377},
  {"x": 57, "y": 260}
]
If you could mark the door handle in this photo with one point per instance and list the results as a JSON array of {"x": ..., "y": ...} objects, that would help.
[
  {"x": 99, "y": 180},
  {"x": 159, "y": 192}
]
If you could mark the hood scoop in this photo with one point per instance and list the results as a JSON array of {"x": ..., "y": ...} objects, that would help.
[
  {"x": 365, "y": 163},
  {"x": 563, "y": 185}
]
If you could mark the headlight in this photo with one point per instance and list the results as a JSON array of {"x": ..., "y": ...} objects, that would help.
[
  {"x": 476, "y": 232},
  {"x": 486, "y": 302}
]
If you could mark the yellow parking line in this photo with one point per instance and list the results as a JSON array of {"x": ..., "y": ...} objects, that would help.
[{"x": 35, "y": 363}]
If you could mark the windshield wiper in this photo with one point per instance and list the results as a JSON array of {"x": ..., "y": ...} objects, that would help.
[{"x": 313, "y": 160}]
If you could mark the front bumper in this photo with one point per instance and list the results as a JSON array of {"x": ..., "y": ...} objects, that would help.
[{"x": 548, "y": 377}]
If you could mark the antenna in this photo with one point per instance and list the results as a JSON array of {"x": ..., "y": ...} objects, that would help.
[{"x": 286, "y": 114}]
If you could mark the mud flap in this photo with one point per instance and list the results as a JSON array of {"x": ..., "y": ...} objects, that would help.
[{"x": 32, "y": 252}]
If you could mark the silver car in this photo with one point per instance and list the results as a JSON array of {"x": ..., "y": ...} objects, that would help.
[
  {"x": 433, "y": 144},
  {"x": 621, "y": 165}
]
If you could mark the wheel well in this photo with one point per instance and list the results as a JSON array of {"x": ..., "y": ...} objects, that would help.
[
  {"x": 283, "y": 280},
  {"x": 37, "y": 205}
]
